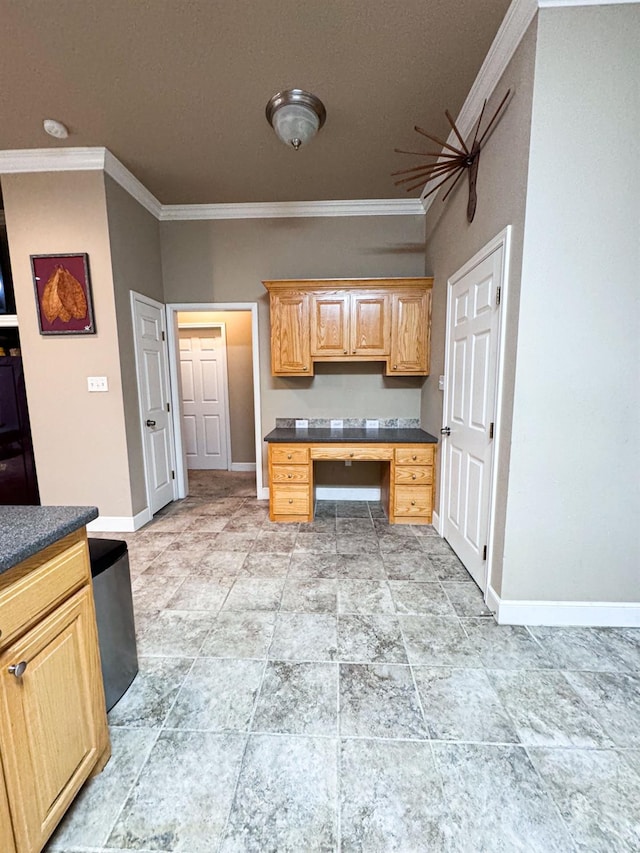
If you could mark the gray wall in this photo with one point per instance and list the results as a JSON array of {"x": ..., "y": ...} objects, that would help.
[
  {"x": 226, "y": 261},
  {"x": 574, "y": 489},
  {"x": 134, "y": 236},
  {"x": 451, "y": 241}
]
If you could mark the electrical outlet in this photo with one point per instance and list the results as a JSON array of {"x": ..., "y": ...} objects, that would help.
[
  {"x": 336, "y": 424},
  {"x": 371, "y": 424},
  {"x": 97, "y": 383},
  {"x": 302, "y": 423}
]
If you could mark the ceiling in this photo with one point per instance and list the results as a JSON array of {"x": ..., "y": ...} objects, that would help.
[{"x": 176, "y": 89}]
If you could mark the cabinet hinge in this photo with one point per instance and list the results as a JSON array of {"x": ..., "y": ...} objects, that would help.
[
  {"x": 491, "y": 430},
  {"x": 169, "y": 409},
  {"x": 484, "y": 553},
  {"x": 498, "y": 295},
  {"x": 162, "y": 333},
  {"x": 173, "y": 476}
]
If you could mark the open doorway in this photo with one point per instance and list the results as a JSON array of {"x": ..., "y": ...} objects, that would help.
[{"x": 214, "y": 369}]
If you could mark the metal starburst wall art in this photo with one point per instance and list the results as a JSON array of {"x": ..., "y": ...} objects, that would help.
[{"x": 451, "y": 162}]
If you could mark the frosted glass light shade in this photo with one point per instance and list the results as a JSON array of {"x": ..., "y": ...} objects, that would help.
[{"x": 296, "y": 116}]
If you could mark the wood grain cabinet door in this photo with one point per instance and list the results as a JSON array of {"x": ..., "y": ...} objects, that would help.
[
  {"x": 52, "y": 719},
  {"x": 6, "y": 832},
  {"x": 329, "y": 324},
  {"x": 410, "y": 333},
  {"x": 370, "y": 323},
  {"x": 290, "y": 333}
]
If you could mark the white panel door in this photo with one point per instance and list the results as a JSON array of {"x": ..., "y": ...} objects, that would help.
[
  {"x": 204, "y": 401},
  {"x": 153, "y": 389},
  {"x": 471, "y": 372}
]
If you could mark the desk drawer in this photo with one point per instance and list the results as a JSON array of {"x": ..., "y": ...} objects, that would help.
[
  {"x": 290, "y": 500},
  {"x": 359, "y": 453},
  {"x": 290, "y": 473},
  {"x": 420, "y": 455},
  {"x": 412, "y": 500},
  {"x": 289, "y": 454},
  {"x": 419, "y": 475}
]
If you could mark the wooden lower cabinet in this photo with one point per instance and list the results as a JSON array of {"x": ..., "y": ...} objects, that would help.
[
  {"x": 53, "y": 727},
  {"x": 7, "y": 844},
  {"x": 408, "y": 481}
]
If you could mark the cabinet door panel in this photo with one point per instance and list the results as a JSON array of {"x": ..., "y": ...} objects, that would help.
[
  {"x": 330, "y": 324},
  {"x": 290, "y": 352},
  {"x": 6, "y": 833},
  {"x": 370, "y": 324},
  {"x": 410, "y": 338},
  {"x": 52, "y": 720}
]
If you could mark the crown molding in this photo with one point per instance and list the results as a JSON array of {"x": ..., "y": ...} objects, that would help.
[
  {"x": 20, "y": 161},
  {"x": 287, "y": 209}
]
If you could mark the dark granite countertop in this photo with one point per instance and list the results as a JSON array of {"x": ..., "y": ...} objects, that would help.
[
  {"x": 390, "y": 435},
  {"x": 25, "y": 530}
]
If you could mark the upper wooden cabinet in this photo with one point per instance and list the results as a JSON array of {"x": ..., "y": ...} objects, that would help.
[{"x": 350, "y": 320}]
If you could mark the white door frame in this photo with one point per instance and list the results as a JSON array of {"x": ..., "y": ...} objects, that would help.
[
  {"x": 133, "y": 295},
  {"x": 225, "y": 376},
  {"x": 173, "y": 308},
  {"x": 502, "y": 239}
]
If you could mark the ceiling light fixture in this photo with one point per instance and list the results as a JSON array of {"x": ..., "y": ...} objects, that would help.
[
  {"x": 55, "y": 128},
  {"x": 296, "y": 116}
]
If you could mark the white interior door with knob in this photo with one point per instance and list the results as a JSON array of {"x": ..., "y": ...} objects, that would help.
[
  {"x": 153, "y": 391},
  {"x": 472, "y": 344},
  {"x": 205, "y": 409}
]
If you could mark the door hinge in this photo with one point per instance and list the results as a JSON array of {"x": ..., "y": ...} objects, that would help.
[
  {"x": 169, "y": 409},
  {"x": 484, "y": 553},
  {"x": 491, "y": 430},
  {"x": 162, "y": 335},
  {"x": 498, "y": 295},
  {"x": 173, "y": 476}
]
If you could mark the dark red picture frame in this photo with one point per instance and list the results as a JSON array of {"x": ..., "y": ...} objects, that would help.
[{"x": 63, "y": 294}]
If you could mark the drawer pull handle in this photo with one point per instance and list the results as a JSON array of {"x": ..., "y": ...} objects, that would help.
[
  {"x": 18, "y": 669},
  {"x": 288, "y": 456},
  {"x": 413, "y": 503},
  {"x": 351, "y": 455},
  {"x": 414, "y": 457},
  {"x": 305, "y": 367},
  {"x": 290, "y": 500},
  {"x": 289, "y": 476},
  {"x": 345, "y": 352},
  {"x": 413, "y": 476},
  {"x": 395, "y": 366}
]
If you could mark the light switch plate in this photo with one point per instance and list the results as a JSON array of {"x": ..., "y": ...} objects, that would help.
[
  {"x": 97, "y": 383},
  {"x": 336, "y": 423},
  {"x": 371, "y": 424},
  {"x": 302, "y": 423}
]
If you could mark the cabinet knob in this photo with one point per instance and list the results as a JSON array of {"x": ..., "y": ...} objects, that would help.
[
  {"x": 289, "y": 476},
  {"x": 351, "y": 455},
  {"x": 345, "y": 352},
  {"x": 413, "y": 503},
  {"x": 288, "y": 456},
  {"x": 395, "y": 366},
  {"x": 414, "y": 457},
  {"x": 290, "y": 500},
  {"x": 18, "y": 669},
  {"x": 305, "y": 367},
  {"x": 413, "y": 476},
  {"x": 354, "y": 352}
]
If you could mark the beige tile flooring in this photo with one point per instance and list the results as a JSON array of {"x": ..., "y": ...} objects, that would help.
[{"x": 340, "y": 685}]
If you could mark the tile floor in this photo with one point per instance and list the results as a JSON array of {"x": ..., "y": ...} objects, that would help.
[{"x": 340, "y": 686}]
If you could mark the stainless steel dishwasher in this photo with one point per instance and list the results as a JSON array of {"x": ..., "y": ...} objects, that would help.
[{"x": 114, "y": 616}]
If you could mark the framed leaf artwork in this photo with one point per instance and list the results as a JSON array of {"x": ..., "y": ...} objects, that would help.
[{"x": 63, "y": 294}]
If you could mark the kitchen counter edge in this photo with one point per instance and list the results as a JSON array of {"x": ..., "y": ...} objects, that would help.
[
  {"x": 25, "y": 530},
  {"x": 318, "y": 435}
]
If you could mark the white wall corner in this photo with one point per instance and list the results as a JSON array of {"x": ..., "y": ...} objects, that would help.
[{"x": 595, "y": 614}]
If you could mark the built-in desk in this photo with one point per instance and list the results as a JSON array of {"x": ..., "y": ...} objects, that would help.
[{"x": 408, "y": 480}]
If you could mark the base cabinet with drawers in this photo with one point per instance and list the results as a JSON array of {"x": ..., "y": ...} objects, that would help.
[
  {"x": 53, "y": 725},
  {"x": 408, "y": 480}
]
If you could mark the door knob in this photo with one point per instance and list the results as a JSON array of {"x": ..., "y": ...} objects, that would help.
[
  {"x": 18, "y": 669},
  {"x": 151, "y": 423},
  {"x": 445, "y": 431}
]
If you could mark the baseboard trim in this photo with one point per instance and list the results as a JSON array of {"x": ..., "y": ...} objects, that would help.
[
  {"x": 435, "y": 521},
  {"x": 595, "y": 614},
  {"x": 264, "y": 494},
  {"x": 119, "y": 523},
  {"x": 243, "y": 466},
  {"x": 347, "y": 493}
]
